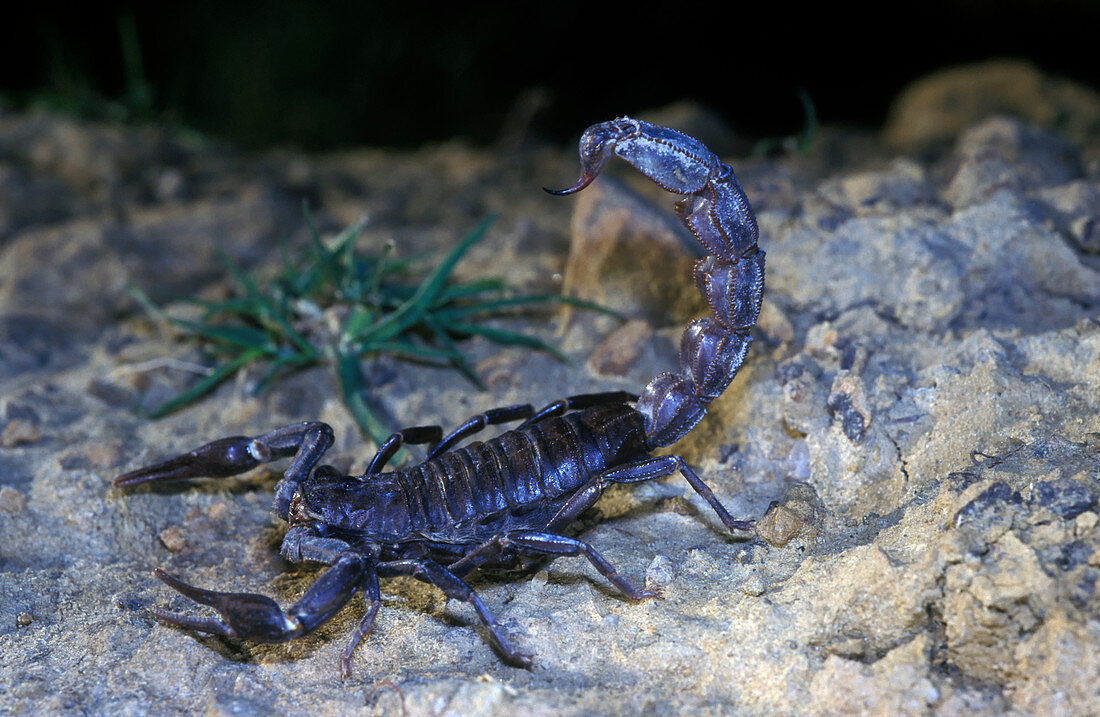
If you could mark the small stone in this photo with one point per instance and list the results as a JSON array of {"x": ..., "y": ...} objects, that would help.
[
  {"x": 173, "y": 539},
  {"x": 1085, "y": 232},
  {"x": 660, "y": 572},
  {"x": 754, "y": 585},
  {"x": 23, "y": 619},
  {"x": 170, "y": 184},
  {"x": 17, "y": 432},
  {"x": 1077, "y": 205},
  {"x": 225, "y": 704},
  {"x": 110, "y": 393},
  {"x": 848, "y": 404},
  {"x": 989, "y": 506},
  {"x": 218, "y": 511},
  {"x": 12, "y": 500},
  {"x": 798, "y": 515},
  {"x": 93, "y": 455},
  {"x": 938, "y": 106},
  {"x": 1085, "y": 523},
  {"x": 852, "y": 648}
]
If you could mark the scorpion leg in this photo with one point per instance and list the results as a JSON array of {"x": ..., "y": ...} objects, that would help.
[
  {"x": 306, "y": 441},
  {"x": 430, "y": 571},
  {"x": 527, "y": 411},
  {"x": 476, "y": 423},
  {"x": 583, "y": 400},
  {"x": 371, "y": 592},
  {"x": 417, "y": 435},
  {"x": 302, "y": 543},
  {"x": 539, "y": 542},
  {"x": 259, "y": 618},
  {"x": 643, "y": 470}
]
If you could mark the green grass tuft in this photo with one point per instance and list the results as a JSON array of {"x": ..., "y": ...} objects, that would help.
[{"x": 334, "y": 305}]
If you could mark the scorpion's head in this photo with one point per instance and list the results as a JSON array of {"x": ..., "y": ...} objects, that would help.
[
  {"x": 326, "y": 497},
  {"x": 299, "y": 513},
  {"x": 348, "y": 502}
]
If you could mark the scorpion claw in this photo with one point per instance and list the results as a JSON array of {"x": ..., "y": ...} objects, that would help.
[
  {"x": 244, "y": 615},
  {"x": 180, "y": 468},
  {"x": 218, "y": 459},
  {"x": 209, "y": 625}
]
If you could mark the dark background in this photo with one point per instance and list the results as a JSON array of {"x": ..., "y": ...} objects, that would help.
[{"x": 322, "y": 75}]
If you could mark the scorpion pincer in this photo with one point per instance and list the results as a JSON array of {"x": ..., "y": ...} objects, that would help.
[{"x": 503, "y": 503}]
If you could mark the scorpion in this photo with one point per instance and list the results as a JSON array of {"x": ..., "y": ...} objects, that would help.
[{"x": 501, "y": 504}]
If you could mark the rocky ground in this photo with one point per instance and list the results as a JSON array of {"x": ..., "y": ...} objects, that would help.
[{"x": 923, "y": 398}]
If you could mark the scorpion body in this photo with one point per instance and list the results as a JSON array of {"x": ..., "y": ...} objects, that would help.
[{"x": 505, "y": 502}]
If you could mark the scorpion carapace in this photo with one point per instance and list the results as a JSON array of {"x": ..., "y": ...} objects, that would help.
[{"x": 505, "y": 502}]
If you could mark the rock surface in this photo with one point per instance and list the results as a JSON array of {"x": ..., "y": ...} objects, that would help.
[
  {"x": 934, "y": 109},
  {"x": 922, "y": 400}
]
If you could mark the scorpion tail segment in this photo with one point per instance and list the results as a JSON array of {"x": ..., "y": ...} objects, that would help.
[
  {"x": 720, "y": 217},
  {"x": 670, "y": 408},
  {"x": 221, "y": 458},
  {"x": 580, "y": 184},
  {"x": 597, "y": 143},
  {"x": 712, "y": 356},
  {"x": 674, "y": 161},
  {"x": 712, "y": 349},
  {"x": 258, "y": 617},
  {"x": 731, "y": 279},
  {"x": 733, "y": 289}
]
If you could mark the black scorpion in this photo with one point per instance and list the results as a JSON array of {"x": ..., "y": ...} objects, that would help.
[{"x": 505, "y": 502}]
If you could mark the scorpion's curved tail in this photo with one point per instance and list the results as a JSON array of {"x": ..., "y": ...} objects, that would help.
[{"x": 731, "y": 278}]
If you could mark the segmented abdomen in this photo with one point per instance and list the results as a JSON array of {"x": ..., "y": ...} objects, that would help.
[{"x": 519, "y": 470}]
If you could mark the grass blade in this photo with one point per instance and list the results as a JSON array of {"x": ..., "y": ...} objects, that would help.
[
  {"x": 473, "y": 288},
  {"x": 146, "y": 303},
  {"x": 352, "y": 387},
  {"x": 414, "y": 309},
  {"x": 382, "y": 308},
  {"x": 496, "y": 306},
  {"x": 206, "y": 385},
  {"x": 508, "y": 338},
  {"x": 408, "y": 348},
  {"x": 459, "y": 361},
  {"x": 321, "y": 255},
  {"x": 236, "y": 335},
  {"x": 356, "y": 324}
]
